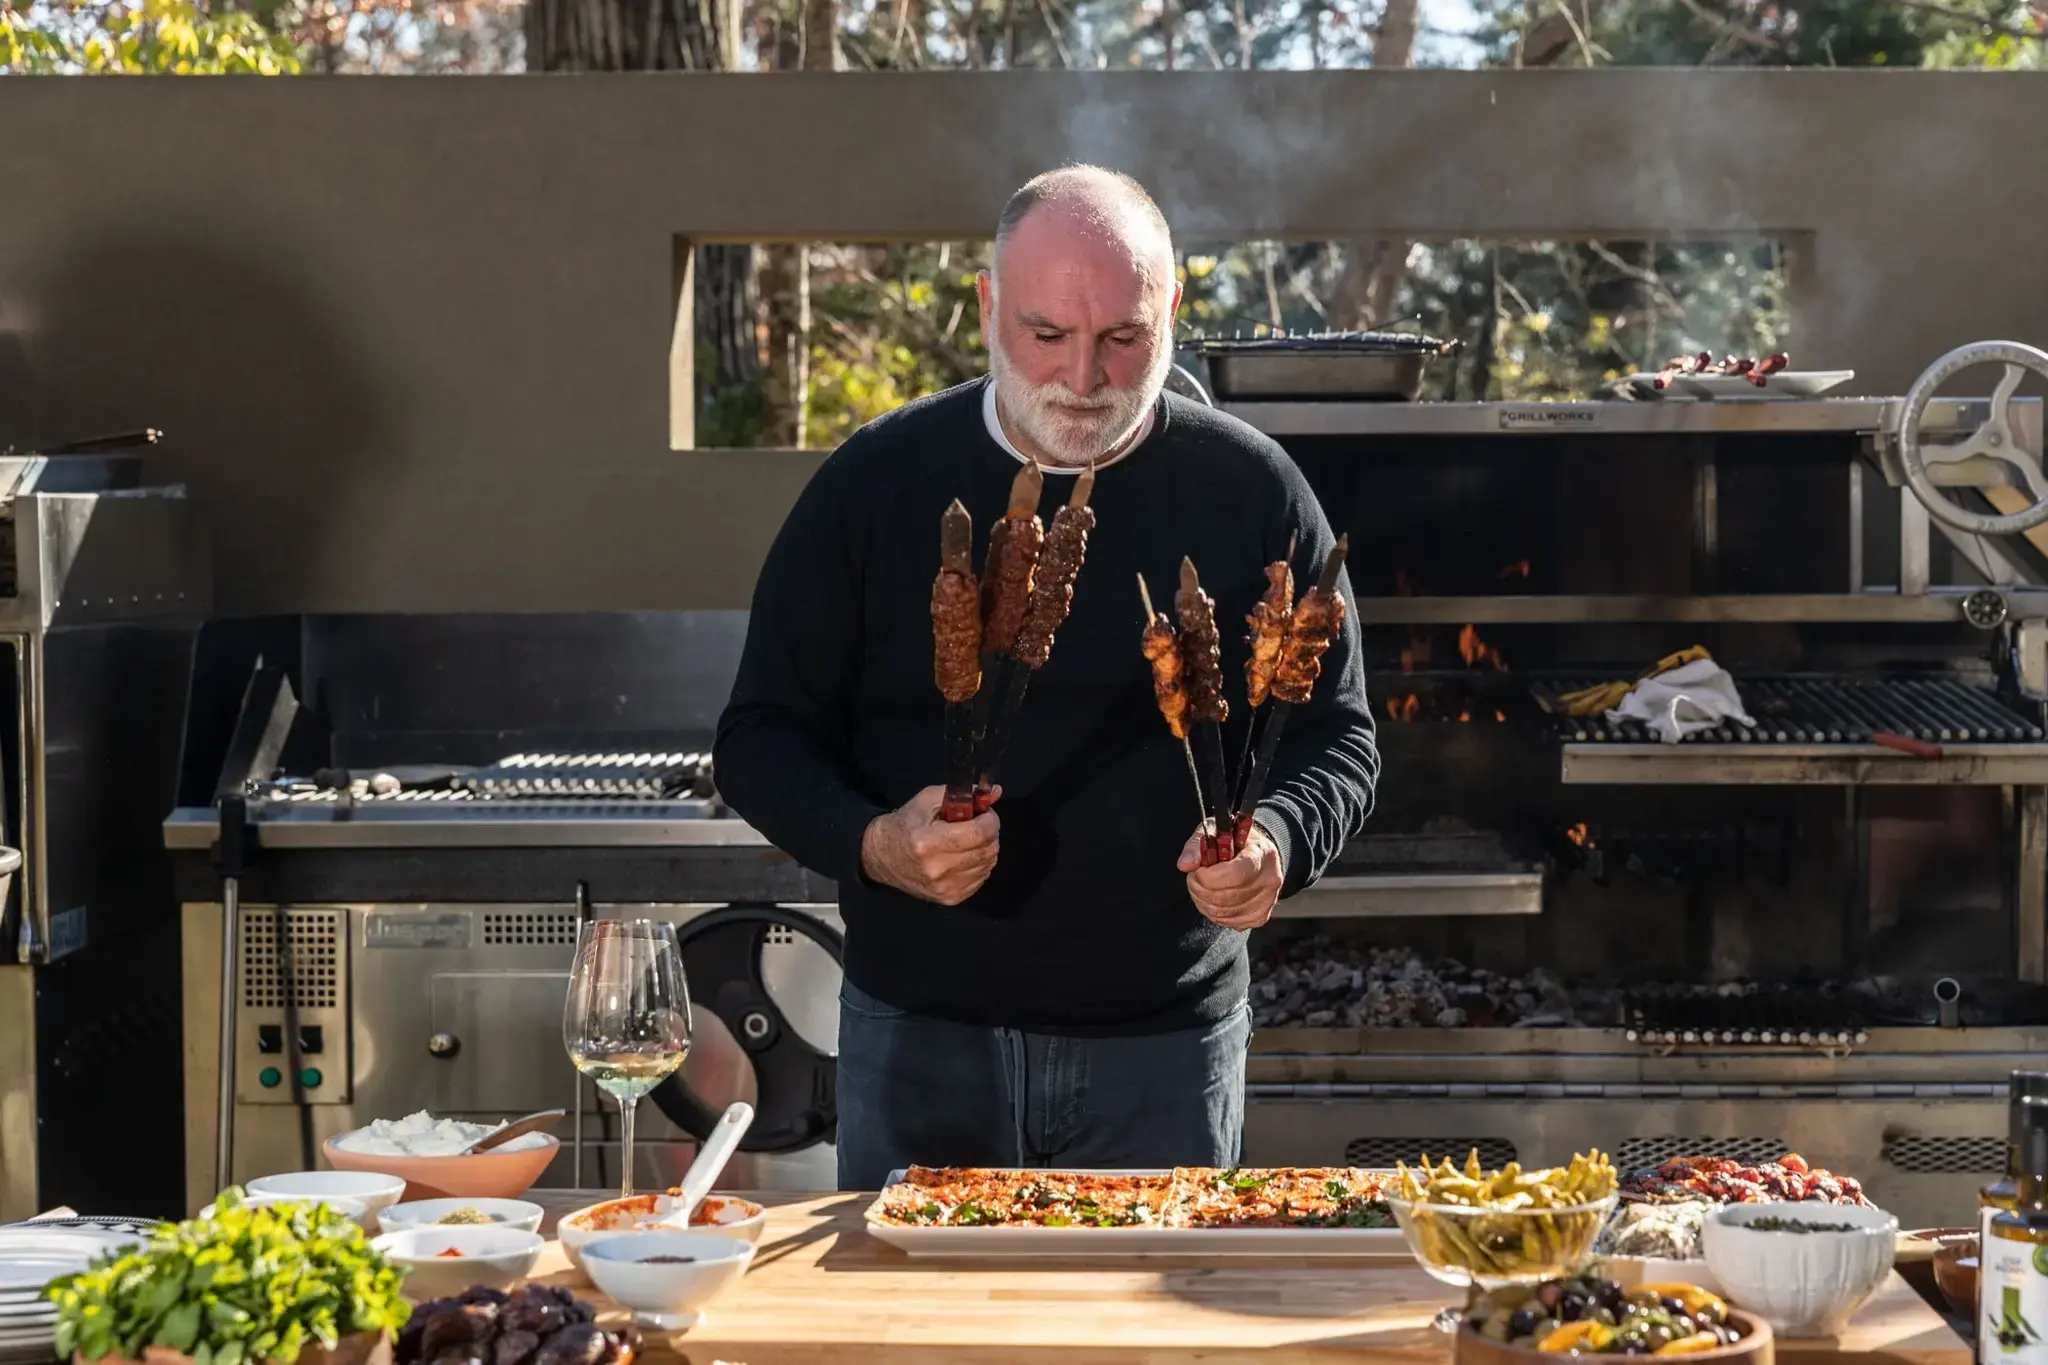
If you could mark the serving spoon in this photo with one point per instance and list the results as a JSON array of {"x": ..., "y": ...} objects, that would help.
[
  {"x": 519, "y": 1128},
  {"x": 709, "y": 1165}
]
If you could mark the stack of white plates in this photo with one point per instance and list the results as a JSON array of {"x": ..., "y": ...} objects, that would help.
[{"x": 32, "y": 1255}]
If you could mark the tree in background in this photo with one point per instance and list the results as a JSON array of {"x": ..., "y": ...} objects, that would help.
[{"x": 171, "y": 37}]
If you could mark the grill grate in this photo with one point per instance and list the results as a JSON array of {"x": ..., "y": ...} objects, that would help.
[
  {"x": 647, "y": 776},
  {"x": 1643, "y": 1153},
  {"x": 316, "y": 948},
  {"x": 1791, "y": 710},
  {"x": 1946, "y": 1155},
  {"x": 1380, "y": 1153},
  {"x": 530, "y": 928}
]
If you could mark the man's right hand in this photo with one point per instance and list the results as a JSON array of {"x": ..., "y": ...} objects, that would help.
[{"x": 914, "y": 851}]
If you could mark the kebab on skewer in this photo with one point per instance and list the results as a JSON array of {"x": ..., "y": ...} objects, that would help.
[
  {"x": 1201, "y": 650},
  {"x": 1313, "y": 626},
  {"x": 1755, "y": 371},
  {"x": 1160, "y": 645},
  {"x": 1013, "y": 546},
  {"x": 1266, "y": 634},
  {"x": 956, "y": 655},
  {"x": 1052, "y": 594}
]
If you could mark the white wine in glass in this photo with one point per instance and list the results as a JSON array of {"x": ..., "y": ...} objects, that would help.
[{"x": 626, "y": 1022}]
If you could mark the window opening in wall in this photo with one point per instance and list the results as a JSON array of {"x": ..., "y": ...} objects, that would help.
[{"x": 799, "y": 344}]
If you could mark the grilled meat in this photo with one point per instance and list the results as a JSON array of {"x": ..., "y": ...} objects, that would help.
[
  {"x": 1013, "y": 546},
  {"x": 1052, "y": 587},
  {"x": 956, "y": 610},
  {"x": 1268, "y": 634},
  {"x": 1162, "y": 650},
  {"x": 1201, "y": 648},
  {"x": 1716, "y": 1179},
  {"x": 1318, "y": 617}
]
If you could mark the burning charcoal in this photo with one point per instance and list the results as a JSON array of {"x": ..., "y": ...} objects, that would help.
[{"x": 1451, "y": 1018}]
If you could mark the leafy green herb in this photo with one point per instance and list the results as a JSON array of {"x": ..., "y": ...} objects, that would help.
[
  {"x": 930, "y": 1213},
  {"x": 247, "y": 1286},
  {"x": 1246, "y": 1180}
]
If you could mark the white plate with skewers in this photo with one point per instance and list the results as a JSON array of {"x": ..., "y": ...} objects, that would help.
[{"x": 1733, "y": 378}]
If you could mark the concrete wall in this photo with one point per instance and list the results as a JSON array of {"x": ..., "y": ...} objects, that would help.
[{"x": 411, "y": 337}]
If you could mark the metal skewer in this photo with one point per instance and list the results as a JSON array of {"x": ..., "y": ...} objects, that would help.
[{"x": 1187, "y": 747}]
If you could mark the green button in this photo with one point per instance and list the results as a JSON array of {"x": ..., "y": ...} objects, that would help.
[
  {"x": 270, "y": 1078},
  {"x": 310, "y": 1077}
]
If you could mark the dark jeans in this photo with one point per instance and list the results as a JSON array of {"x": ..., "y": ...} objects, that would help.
[{"x": 920, "y": 1091}]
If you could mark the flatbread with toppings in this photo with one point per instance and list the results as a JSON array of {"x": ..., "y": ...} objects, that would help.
[
  {"x": 1282, "y": 1197},
  {"x": 1190, "y": 1197},
  {"x": 966, "y": 1196}
]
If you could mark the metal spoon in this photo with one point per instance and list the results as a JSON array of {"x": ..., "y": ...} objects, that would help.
[
  {"x": 532, "y": 1123},
  {"x": 710, "y": 1163}
]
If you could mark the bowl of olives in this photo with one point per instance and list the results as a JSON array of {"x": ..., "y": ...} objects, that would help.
[{"x": 1590, "y": 1315}]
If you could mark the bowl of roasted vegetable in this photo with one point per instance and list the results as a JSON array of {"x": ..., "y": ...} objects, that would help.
[
  {"x": 1589, "y": 1315},
  {"x": 1511, "y": 1226}
]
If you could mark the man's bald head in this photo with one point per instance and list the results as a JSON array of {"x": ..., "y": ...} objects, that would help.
[
  {"x": 1077, "y": 311},
  {"x": 1091, "y": 202}
]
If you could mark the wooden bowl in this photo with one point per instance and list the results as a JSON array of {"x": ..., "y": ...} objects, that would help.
[
  {"x": 1755, "y": 1348},
  {"x": 1914, "y": 1256},
  {"x": 1955, "y": 1275}
]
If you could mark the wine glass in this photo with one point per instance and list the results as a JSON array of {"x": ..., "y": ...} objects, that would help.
[{"x": 626, "y": 1022}]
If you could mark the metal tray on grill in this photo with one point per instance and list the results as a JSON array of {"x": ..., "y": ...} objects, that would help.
[
  {"x": 1355, "y": 366},
  {"x": 1392, "y": 876}
]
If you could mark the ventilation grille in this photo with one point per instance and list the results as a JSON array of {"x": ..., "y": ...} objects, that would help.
[
  {"x": 1946, "y": 1155},
  {"x": 780, "y": 933},
  {"x": 530, "y": 928},
  {"x": 1639, "y": 1154},
  {"x": 1378, "y": 1153},
  {"x": 316, "y": 953}
]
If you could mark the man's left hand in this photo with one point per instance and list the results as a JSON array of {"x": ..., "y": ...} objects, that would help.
[{"x": 1241, "y": 893}]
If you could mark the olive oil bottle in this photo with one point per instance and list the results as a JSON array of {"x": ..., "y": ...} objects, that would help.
[
  {"x": 2012, "y": 1300},
  {"x": 2004, "y": 1192}
]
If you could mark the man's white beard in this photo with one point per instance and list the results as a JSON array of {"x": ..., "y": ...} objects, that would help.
[{"x": 1046, "y": 415}]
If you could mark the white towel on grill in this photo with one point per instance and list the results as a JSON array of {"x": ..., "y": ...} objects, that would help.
[{"x": 1690, "y": 698}]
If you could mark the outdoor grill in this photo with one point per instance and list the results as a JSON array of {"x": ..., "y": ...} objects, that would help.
[
  {"x": 395, "y": 871},
  {"x": 1822, "y": 933}
]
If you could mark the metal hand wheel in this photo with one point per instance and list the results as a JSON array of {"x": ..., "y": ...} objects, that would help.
[
  {"x": 796, "y": 1106},
  {"x": 1997, "y": 439}
]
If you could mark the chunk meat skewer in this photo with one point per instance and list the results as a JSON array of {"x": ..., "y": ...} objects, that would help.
[
  {"x": 1013, "y": 546},
  {"x": 1318, "y": 618},
  {"x": 1268, "y": 623},
  {"x": 1201, "y": 651},
  {"x": 1161, "y": 648}
]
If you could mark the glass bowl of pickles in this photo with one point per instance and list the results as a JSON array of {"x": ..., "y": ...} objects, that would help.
[
  {"x": 1589, "y": 1315},
  {"x": 1471, "y": 1226}
]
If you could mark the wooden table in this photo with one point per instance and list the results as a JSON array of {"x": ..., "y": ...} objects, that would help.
[{"x": 822, "y": 1290}]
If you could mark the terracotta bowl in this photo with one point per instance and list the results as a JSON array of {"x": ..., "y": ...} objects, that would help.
[
  {"x": 1755, "y": 1348},
  {"x": 487, "y": 1175},
  {"x": 1955, "y": 1275}
]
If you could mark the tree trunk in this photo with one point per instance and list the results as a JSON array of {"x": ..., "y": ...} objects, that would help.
[
  {"x": 1376, "y": 268},
  {"x": 785, "y": 279},
  {"x": 666, "y": 35}
]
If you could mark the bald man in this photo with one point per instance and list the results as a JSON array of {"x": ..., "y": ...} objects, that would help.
[{"x": 1056, "y": 983}]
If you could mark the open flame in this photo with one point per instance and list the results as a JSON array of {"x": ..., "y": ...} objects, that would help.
[
  {"x": 1476, "y": 651},
  {"x": 1403, "y": 708},
  {"x": 1518, "y": 569},
  {"x": 1577, "y": 834}
]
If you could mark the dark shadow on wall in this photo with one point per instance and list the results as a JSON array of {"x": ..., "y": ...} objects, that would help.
[{"x": 225, "y": 340}]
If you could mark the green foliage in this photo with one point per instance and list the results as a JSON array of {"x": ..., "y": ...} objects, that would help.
[
  {"x": 153, "y": 37},
  {"x": 244, "y": 1286}
]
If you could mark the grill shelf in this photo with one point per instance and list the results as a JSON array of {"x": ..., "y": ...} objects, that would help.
[{"x": 1791, "y": 710}]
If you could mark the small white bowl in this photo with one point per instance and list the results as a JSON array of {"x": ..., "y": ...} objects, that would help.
[
  {"x": 729, "y": 1216},
  {"x": 1804, "y": 1284},
  {"x": 492, "y": 1257},
  {"x": 352, "y": 1209},
  {"x": 374, "y": 1191},
  {"x": 667, "y": 1295},
  {"x": 516, "y": 1214}
]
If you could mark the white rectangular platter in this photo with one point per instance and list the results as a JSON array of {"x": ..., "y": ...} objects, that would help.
[{"x": 1071, "y": 1243}]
